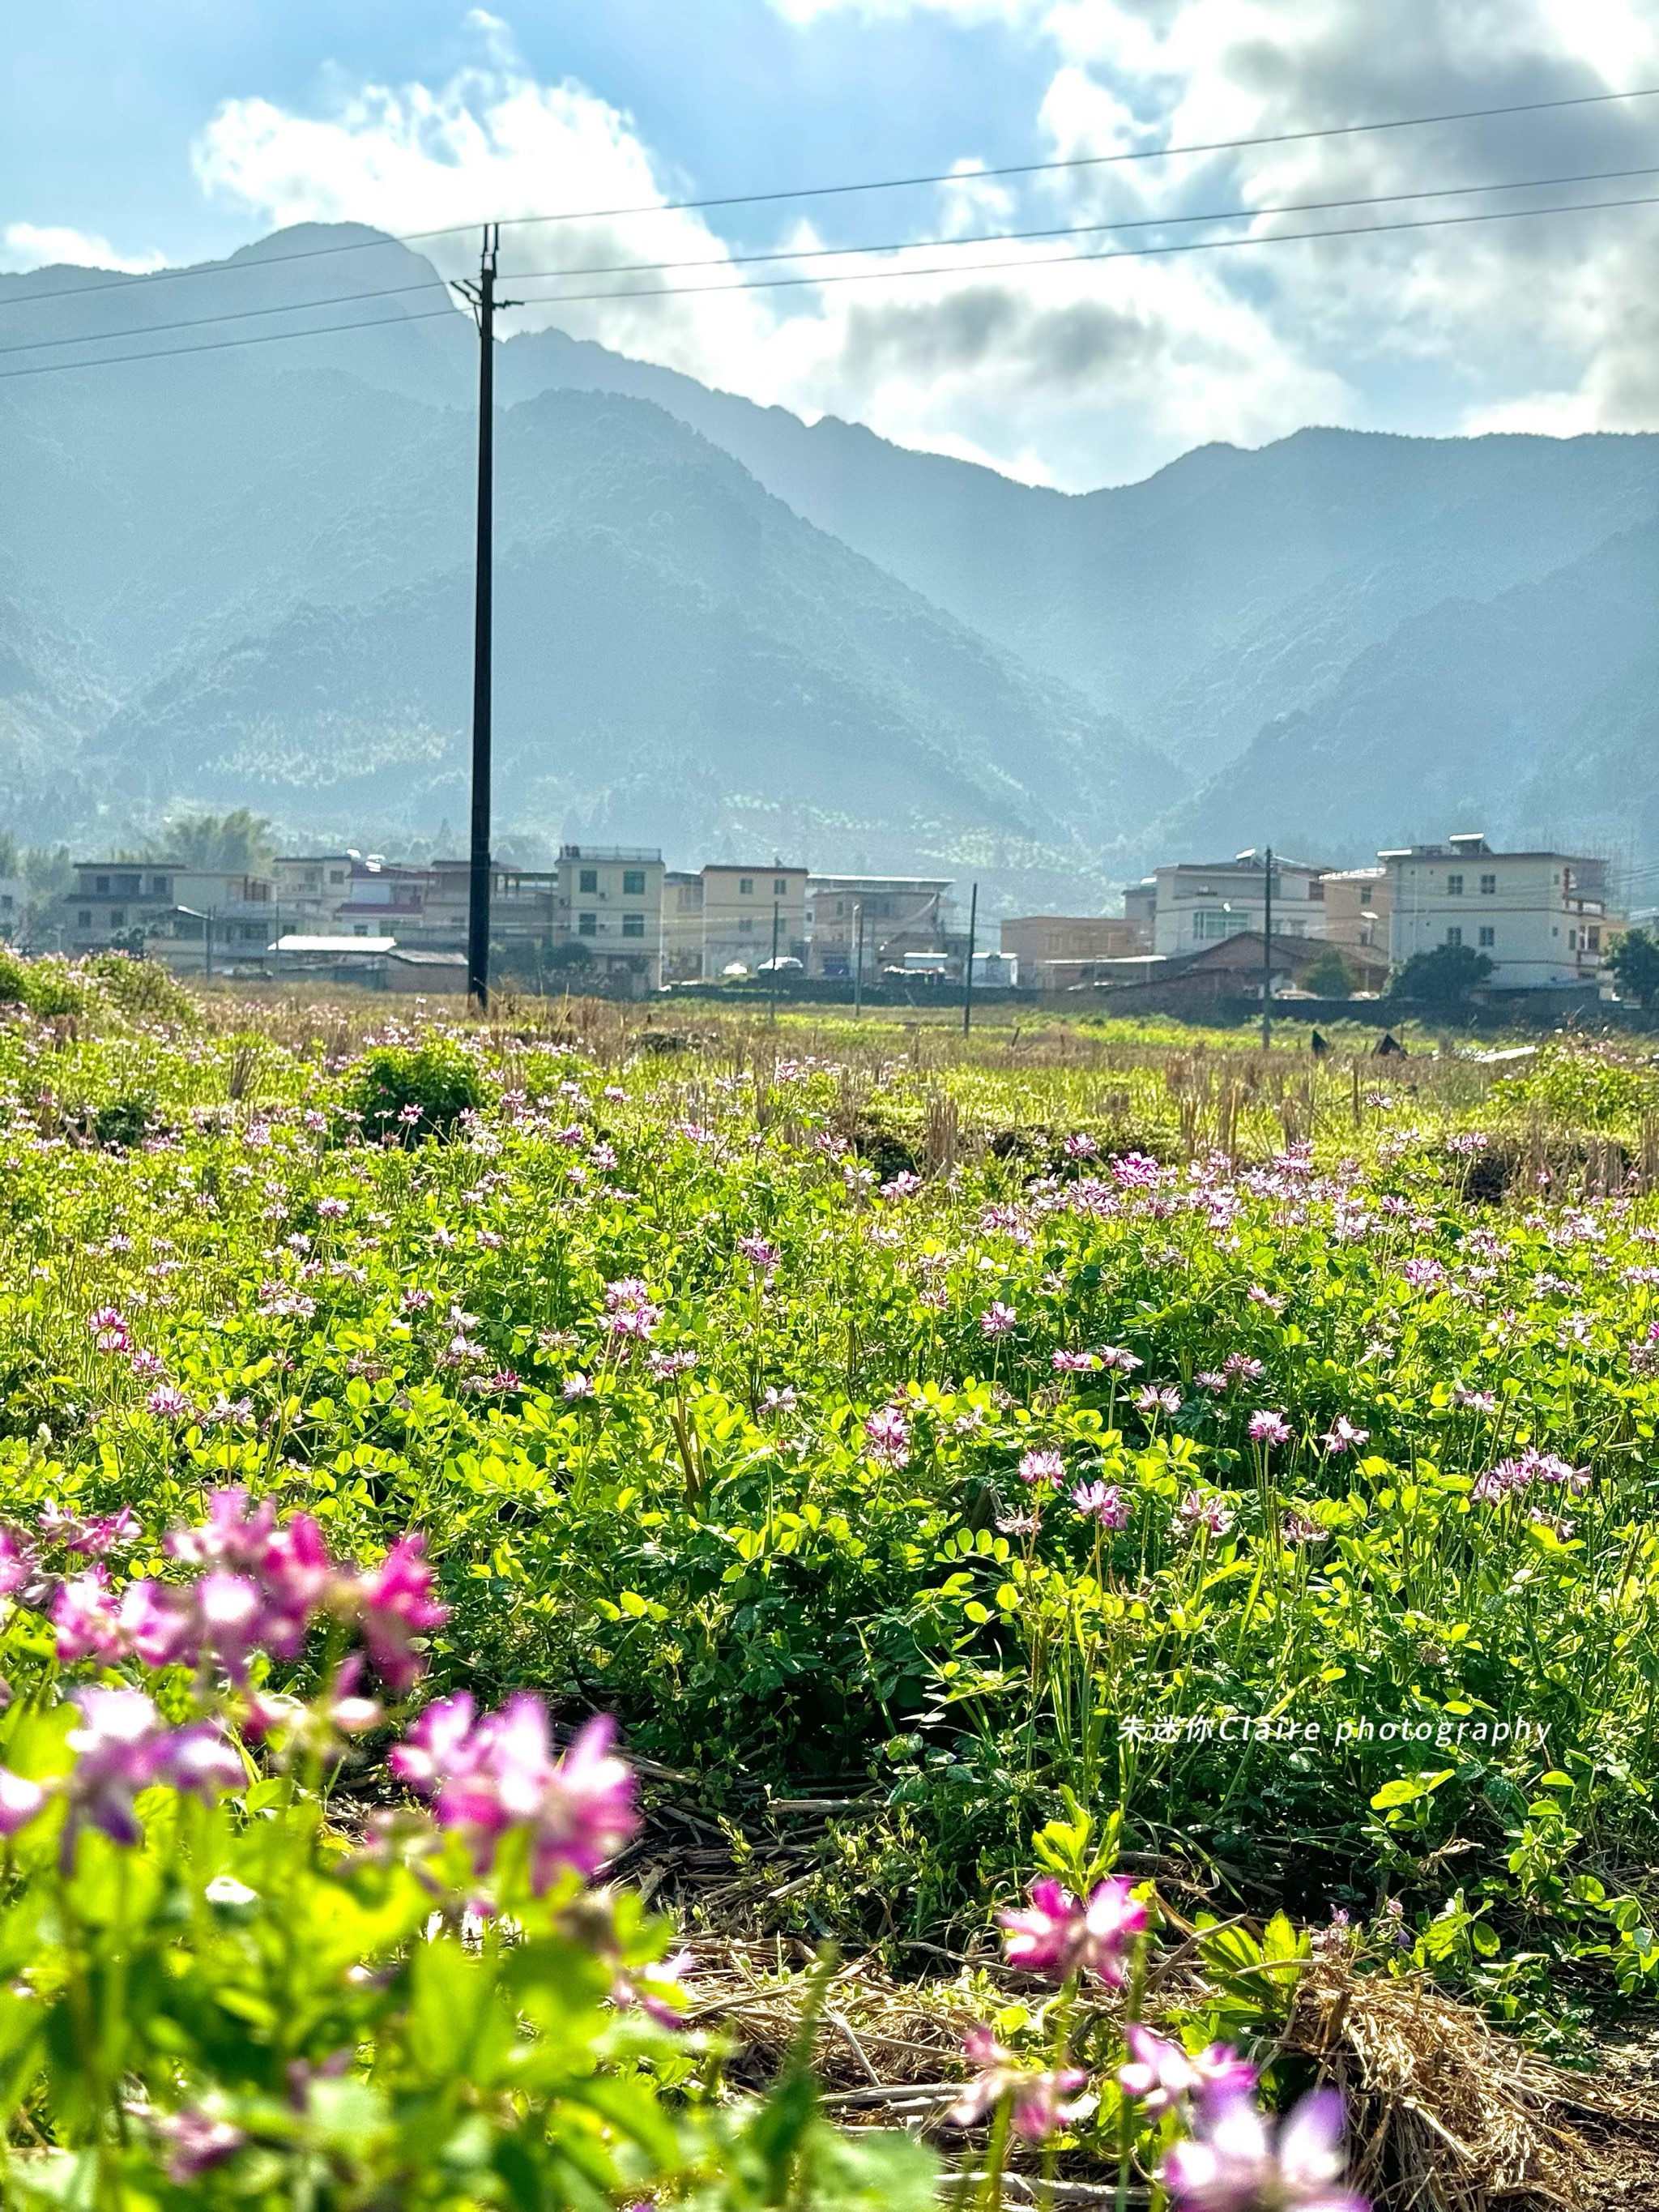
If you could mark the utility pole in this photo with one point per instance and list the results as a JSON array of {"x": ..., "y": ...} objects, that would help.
[
  {"x": 857, "y": 962},
  {"x": 967, "y": 994},
  {"x": 1267, "y": 956},
  {"x": 772, "y": 965},
  {"x": 482, "y": 298}
]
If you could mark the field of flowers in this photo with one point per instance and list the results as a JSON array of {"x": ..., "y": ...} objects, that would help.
[{"x": 1205, "y": 1486}]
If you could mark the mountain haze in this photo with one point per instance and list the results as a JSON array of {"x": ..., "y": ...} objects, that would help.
[{"x": 243, "y": 576}]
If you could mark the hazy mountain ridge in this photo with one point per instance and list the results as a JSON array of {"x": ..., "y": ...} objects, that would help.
[{"x": 247, "y": 571}]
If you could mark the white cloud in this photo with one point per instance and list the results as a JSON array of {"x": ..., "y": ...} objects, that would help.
[{"x": 42, "y": 245}]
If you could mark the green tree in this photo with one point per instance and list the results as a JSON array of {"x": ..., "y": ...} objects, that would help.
[
  {"x": 1635, "y": 963},
  {"x": 240, "y": 842},
  {"x": 1445, "y": 977},
  {"x": 1330, "y": 975}
]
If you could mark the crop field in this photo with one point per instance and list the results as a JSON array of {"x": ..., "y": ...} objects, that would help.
[{"x": 1084, "y": 1539}]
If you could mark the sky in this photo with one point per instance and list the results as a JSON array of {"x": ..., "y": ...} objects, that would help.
[{"x": 139, "y": 137}]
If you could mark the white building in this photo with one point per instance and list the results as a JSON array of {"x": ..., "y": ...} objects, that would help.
[
  {"x": 1540, "y": 918},
  {"x": 610, "y": 899},
  {"x": 1197, "y": 904},
  {"x": 747, "y": 910}
]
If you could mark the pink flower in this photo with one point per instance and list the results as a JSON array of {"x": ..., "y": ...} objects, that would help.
[
  {"x": 1137, "y": 1171},
  {"x": 1196, "y": 1511},
  {"x": 20, "y": 1802},
  {"x": 1113, "y": 1356},
  {"x": 1104, "y": 1501},
  {"x": 1075, "y": 1363},
  {"x": 630, "y": 1290},
  {"x": 1239, "y": 1367},
  {"x": 1207, "y": 1379},
  {"x": 758, "y": 1253},
  {"x": 901, "y": 1186},
  {"x": 1342, "y": 1436},
  {"x": 1237, "y": 2162},
  {"x": 497, "y": 1773},
  {"x": 1042, "y": 1466},
  {"x": 576, "y": 1386},
  {"x": 1080, "y": 1146},
  {"x": 1039, "y": 2099},
  {"x": 394, "y": 1604},
  {"x": 169, "y": 1403},
  {"x": 17, "y": 1562},
  {"x": 887, "y": 1435},
  {"x": 1269, "y": 1427},
  {"x": 332, "y": 1209},
  {"x": 1059, "y": 1936},
  {"x": 86, "y": 1617},
  {"x": 1149, "y": 1399},
  {"x": 1161, "y": 2073},
  {"x": 998, "y": 1320},
  {"x": 109, "y": 1329}
]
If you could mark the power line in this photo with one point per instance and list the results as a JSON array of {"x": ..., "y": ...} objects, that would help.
[
  {"x": 833, "y": 252},
  {"x": 855, "y": 277},
  {"x": 862, "y": 185}
]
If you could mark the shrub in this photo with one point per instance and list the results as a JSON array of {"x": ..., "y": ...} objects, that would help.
[
  {"x": 124, "y": 1122},
  {"x": 412, "y": 1091},
  {"x": 1330, "y": 975},
  {"x": 46, "y": 987},
  {"x": 1635, "y": 963},
  {"x": 142, "y": 988},
  {"x": 1445, "y": 977}
]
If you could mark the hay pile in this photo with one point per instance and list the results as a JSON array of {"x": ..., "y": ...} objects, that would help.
[{"x": 1447, "y": 2114}]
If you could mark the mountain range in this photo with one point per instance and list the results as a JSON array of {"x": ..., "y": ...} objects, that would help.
[{"x": 240, "y": 573}]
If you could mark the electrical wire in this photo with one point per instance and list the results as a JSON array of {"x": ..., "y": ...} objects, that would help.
[
  {"x": 857, "y": 277},
  {"x": 832, "y": 253},
  {"x": 863, "y": 184}
]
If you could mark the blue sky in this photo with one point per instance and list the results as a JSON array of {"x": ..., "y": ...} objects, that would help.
[{"x": 179, "y": 129}]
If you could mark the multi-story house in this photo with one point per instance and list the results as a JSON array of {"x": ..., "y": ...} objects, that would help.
[
  {"x": 1202, "y": 903},
  {"x": 206, "y": 919},
  {"x": 610, "y": 899},
  {"x": 1049, "y": 948},
  {"x": 887, "y": 915},
  {"x": 681, "y": 925},
  {"x": 1540, "y": 918},
  {"x": 747, "y": 912},
  {"x": 1358, "y": 903}
]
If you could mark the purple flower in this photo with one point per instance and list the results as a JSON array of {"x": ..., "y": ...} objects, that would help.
[
  {"x": 1210, "y": 1381},
  {"x": 629, "y": 1290},
  {"x": 576, "y": 1386},
  {"x": 168, "y": 1403},
  {"x": 887, "y": 1435},
  {"x": 1269, "y": 1427},
  {"x": 196, "y": 2142},
  {"x": 1239, "y": 1367},
  {"x": 109, "y": 1329},
  {"x": 1104, "y": 1501},
  {"x": 122, "y": 1748},
  {"x": 1080, "y": 1146},
  {"x": 1075, "y": 1363},
  {"x": 332, "y": 1209},
  {"x": 901, "y": 1186},
  {"x": 1137, "y": 1171},
  {"x": 1059, "y": 1935},
  {"x": 998, "y": 1320},
  {"x": 17, "y": 1562},
  {"x": 1237, "y": 2162},
  {"x": 1112, "y": 1355},
  {"x": 1150, "y": 1399},
  {"x": 1424, "y": 1273},
  {"x": 1042, "y": 1466},
  {"x": 1303, "y": 1528},
  {"x": 758, "y": 1253}
]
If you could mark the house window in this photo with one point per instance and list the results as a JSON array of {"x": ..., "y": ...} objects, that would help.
[
  {"x": 1595, "y": 941},
  {"x": 1454, "y": 935},
  {"x": 1488, "y": 885},
  {"x": 746, "y": 925},
  {"x": 590, "y": 881},
  {"x": 102, "y": 884},
  {"x": 158, "y": 886},
  {"x": 1488, "y": 936},
  {"x": 1454, "y": 887},
  {"x": 745, "y": 886},
  {"x": 780, "y": 886},
  {"x": 84, "y": 918},
  {"x": 632, "y": 886},
  {"x": 360, "y": 929},
  {"x": 336, "y": 875},
  {"x": 633, "y": 924},
  {"x": 118, "y": 917},
  {"x": 588, "y": 925},
  {"x": 1210, "y": 924}
]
